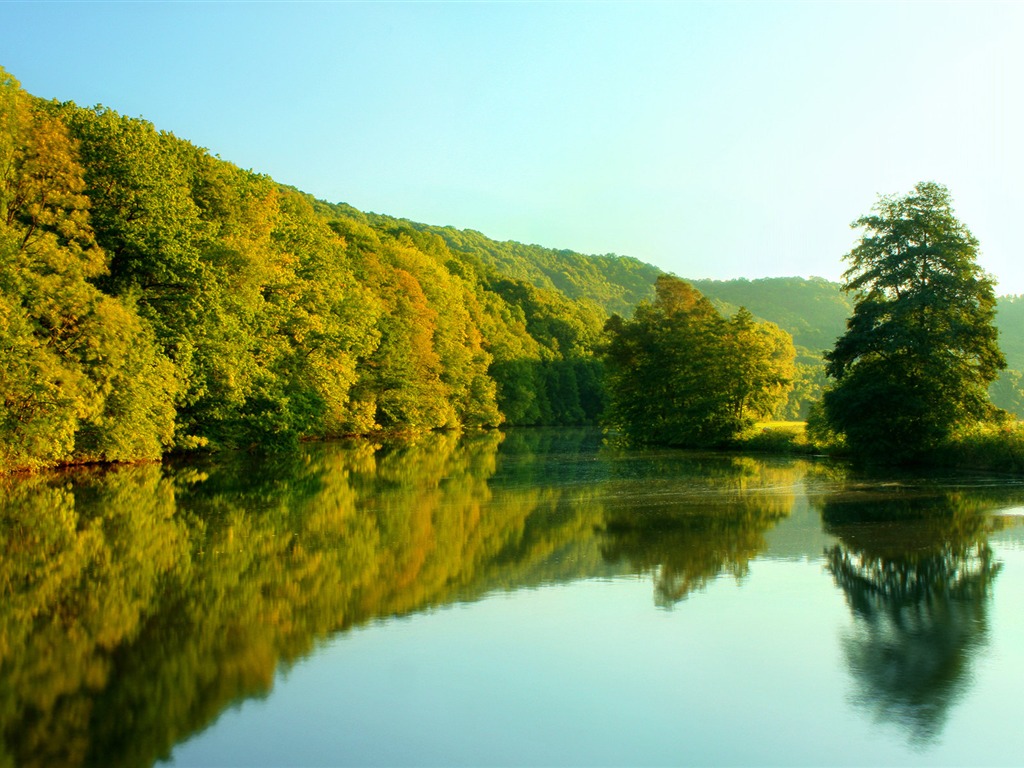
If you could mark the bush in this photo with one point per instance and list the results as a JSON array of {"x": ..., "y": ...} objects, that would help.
[{"x": 996, "y": 446}]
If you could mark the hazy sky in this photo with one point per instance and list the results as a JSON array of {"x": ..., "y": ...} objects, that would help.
[{"x": 711, "y": 139}]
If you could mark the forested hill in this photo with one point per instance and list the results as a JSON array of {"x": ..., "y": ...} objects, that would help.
[
  {"x": 615, "y": 283},
  {"x": 155, "y": 297},
  {"x": 813, "y": 310}
]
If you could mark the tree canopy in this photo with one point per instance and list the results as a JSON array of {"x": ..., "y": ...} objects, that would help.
[
  {"x": 920, "y": 349},
  {"x": 678, "y": 373},
  {"x": 154, "y": 297}
]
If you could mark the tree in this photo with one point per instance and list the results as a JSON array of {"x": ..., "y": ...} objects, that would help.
[
  {"x": 760, "y": 362},
  {"x": 81, "y": 376},
  {"x": 920, "y": 349},
  {"x": 679, "y": 373}
]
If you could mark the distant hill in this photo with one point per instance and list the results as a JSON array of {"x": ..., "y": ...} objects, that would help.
[
  {"x": 1010, "y": 321},
  {"x": 813, "y": 310}
]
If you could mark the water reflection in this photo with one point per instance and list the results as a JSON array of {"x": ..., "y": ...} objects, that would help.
[
  {"x": 137, "y": 605},
  {"x": 917, "y": 571},
  {"x": 83, "y": 561},
  {"x": 688, "y": 523}
]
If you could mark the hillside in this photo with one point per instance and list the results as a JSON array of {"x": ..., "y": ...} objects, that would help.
[
  {"x": 615, "y": 283},
  {"x": 813, "y": 310},
  {"x": 1010, "y": 321},
  {"x": 155, "y": 297}
]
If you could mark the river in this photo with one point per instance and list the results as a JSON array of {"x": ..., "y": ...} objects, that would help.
[{"x": 532, "y": 597}]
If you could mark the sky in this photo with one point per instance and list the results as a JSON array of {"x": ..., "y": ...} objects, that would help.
[{"x": 713, "y": 140}]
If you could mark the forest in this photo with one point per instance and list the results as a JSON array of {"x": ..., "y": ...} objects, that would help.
[{"x": 155, "y": 298}]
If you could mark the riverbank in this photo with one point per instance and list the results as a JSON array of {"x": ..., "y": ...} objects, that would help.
[{"x": 991, "y": 446}]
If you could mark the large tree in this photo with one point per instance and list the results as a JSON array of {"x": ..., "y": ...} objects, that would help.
[
  {"x": 678, "y": 373},
  {"x": 921, "y": 349}
]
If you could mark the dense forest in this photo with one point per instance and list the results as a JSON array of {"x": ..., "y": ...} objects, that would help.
[{"x": 154, "y": 297}]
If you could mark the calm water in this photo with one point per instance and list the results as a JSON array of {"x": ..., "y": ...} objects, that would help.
[{"x": 522, "y": 599}]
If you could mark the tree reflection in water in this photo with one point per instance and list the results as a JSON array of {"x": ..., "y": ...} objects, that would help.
[
  {"x": 709, "y": 522},
  {"x": 137, "y": 605},
  {"x": 917, "y": 572}
]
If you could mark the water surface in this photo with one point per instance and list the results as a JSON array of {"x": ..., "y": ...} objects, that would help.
[{"x": 530, "y": 598}]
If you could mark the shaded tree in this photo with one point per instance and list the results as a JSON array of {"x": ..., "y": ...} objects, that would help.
[{"x": 920, "y": 349}]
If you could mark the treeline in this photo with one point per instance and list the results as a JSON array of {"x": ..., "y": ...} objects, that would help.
[
  {"x": 615, "y": 283},
  {"x": 154, "y": 297},
  {"x": 680, "y": 373},
  {"x": 815, "y": 312}
]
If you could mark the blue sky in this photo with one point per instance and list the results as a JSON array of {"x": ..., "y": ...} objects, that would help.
[{"x": 711, "y": 139}]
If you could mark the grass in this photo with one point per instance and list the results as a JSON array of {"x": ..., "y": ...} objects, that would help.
[
  {"x": 989, "y": 446},
  {"x": 997, "y": 447}
]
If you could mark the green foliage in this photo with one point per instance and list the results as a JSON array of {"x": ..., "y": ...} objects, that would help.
[
  {"x": 813, "y": 311},
  {"x": 809, "y": 382},
  {"x": 81, "y": 375},
  {"x": 920, "y": 349},
  {"x": 154, "y": 295},
  {"x": 1007, "y": 391},
  {"x": 785, "y": 437},
  {"x": 559, "y": 380},
  {"x": 681, "y": 374},
  {"x": 1010, "y": 322},
  {"x": 996, "y": 446},
  {"x": 614, "y": 283}
]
